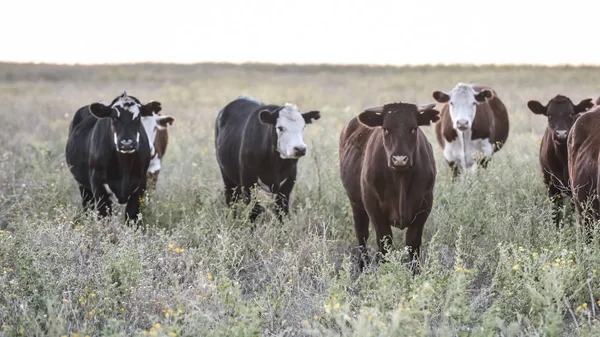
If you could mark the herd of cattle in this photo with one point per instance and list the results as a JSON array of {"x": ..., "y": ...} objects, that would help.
[{"x": 387, "y": 166}]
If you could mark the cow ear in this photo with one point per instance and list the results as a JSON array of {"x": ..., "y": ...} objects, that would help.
[
  {"x": 150, "y": 108},
  {"x": 268, "y": 117},
  {"x": 428, "y": 116},
  {"x": 483, "y": 95},
  {"x": 162, "y": 121},
  {"x": 441, "y": 97},
  {"x": 310, "y": 116},
  {"x": 100, "y": 110},
  {"x": 372, "y": 117},
  {"x": 537, "y": 108},
  {"x": 584, "y": 105}
]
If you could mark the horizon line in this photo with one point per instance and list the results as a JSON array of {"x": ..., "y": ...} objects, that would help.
[{"x": 312, "y": 64}]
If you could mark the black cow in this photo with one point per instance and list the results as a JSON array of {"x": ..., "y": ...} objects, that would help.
[
  {"x": 260, "y": 144},
  {"x": 108, "y": 153}
]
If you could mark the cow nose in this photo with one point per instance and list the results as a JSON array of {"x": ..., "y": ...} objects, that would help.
[
  {"x": 127, "y": 144},
  {"x": 400, "y": 161},
  {"x": 462, "y": 124},
  {"x": 560, "y": 134},
  {"x": 299, "y": 151}
]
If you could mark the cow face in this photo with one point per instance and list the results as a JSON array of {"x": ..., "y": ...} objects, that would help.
[
  {"x": 125, "y": 113},
  {"x": 289, "y": 126},
  {"x": 462, "y": 101},
  {"x": 561, "y": 113},
  {"x": 399, "y": 123},
  {"x": 155, "y": 122}
]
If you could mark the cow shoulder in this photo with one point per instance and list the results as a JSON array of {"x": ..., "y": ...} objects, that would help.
[{"x": 355, "y": 135}]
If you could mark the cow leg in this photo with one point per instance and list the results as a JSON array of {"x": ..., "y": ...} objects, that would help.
[
  {"x": 361, "y": 229},
  {"x": 383, "y": 230},
  {"x": 557, "y": 203},
  {"x": 152, "y": 180},
  {"x": 87, "y": 197},
  {"x": 133, "y": 207},
  {"x": 282, "y": 200},
  {"x": 455, "y": 167},
  {"x": 413, "y": 237},
  {"x": 101, "y": 197},
  {"x": 231, "y": 190}
]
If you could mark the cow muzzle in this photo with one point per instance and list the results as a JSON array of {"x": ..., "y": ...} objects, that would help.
[
  {"x": 128, "y": 146},
  {"x": 462, "y": 124},
  {"x": 561, "y": 135},
  {"x": 400, "y": 163}
]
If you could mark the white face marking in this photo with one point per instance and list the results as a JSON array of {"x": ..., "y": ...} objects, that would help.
[
  {"x": 290, "y": 126},
  {"x": 465, "y": 153},
  {"x": 116, "y": 142},
  {"x": 154, "y": 165},
  {"x": 121, "y": 103},
  {"x": 462, "y": 105},
  {"x": 151, "y": 126}
]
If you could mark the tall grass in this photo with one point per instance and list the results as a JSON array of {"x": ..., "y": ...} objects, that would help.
[{"x": 494, "y": 262}]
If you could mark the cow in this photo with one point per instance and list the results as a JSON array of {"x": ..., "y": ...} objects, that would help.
[
  {"x": 474, "y": 125},
  {"x": 388, "y": 172},
  {"x": 583, "y": 143},
  {"x": 156, "y": 129},
  {"x": 258, "y": 143},
  {"x": 108, "y": 154},
  {"x": 561, "y": 114}
]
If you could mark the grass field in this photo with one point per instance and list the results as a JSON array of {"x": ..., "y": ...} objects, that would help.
[{"x": 494, "y": 263}]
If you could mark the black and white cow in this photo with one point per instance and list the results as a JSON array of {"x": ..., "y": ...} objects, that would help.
[
  {"x": 108, "y": 153},
  {"x": 260, "y": 144}
]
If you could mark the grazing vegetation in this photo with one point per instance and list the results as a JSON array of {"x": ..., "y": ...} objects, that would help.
[{"x": 494, "y": 263}]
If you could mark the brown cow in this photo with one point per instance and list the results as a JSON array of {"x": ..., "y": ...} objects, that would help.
[
  {"x": 561, "y": 113},
  {"x": 156, "y": 129},
  {"x": 388, "y": 172},
  {"x": 584, "y": 152},
  {"x": 474, "y": 122}
]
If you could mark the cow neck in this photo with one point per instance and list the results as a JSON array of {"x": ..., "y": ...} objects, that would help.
[
  {"x": 400, "y": 187},
  {"x": 126, "y": 164}
]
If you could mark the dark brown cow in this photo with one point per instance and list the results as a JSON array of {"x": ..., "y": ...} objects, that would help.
[
  {"x": 584, "y": 152},
  {"x": 561, "y": 113},
  {"x": 473, "y": 126},
  {"x": 156, "y": 129},
  {"x": 388, "y": 171}
]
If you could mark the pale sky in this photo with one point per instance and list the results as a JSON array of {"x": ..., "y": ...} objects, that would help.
[{"x": 307, "y": 31}]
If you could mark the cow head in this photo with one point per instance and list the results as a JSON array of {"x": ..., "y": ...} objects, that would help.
[
  {"x": 462, "y": 101},
  {"x": 289, "y": 125},
  {"x": 561, "y": 113},
  {"x": 399, "y": 123},
  {"x": 125, "y": 113},
  {"x": 155, "y": 122}
]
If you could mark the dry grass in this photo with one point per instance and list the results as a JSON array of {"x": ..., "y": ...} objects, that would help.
[{"x": 494, "y": 262}]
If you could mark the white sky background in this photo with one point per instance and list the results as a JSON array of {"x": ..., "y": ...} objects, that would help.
[{"x": 306, "y": 31}]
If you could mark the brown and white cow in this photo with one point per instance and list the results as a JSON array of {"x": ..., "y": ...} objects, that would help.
[
  {"x": 473, "y": 126},
  {"x": 156, "y": 129},
  {"x": 583, "y": 145},
  {"x": 561, "y": 114},
  {"x": 388, "y": 171}
]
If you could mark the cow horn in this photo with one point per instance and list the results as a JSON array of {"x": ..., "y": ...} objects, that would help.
[
  {"x": 424, "y": 107},
  {"x": 376, "y": 109}
]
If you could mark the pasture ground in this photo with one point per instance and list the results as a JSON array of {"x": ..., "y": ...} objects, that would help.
[{"x": 494, "y": 263}]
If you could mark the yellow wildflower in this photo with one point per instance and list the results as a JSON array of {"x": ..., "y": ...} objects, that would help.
[
  {"x": 170, "y": 246},
  {"x": 336, "y": 306},
  {"x": 65, "y": 300},
  {"x": 516, "y": 267},
  {"x": 584, "y": 305},
  {"x": 316, "y": 317},
  {"x": 458, "y": 268},
  {"x": 209, "y": 276}
]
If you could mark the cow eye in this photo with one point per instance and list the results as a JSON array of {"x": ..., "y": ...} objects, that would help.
[
  {"x": 280, "y": 128},
  {"x": 413, "y": 130},
  {"x": 386, "y": 131}
]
